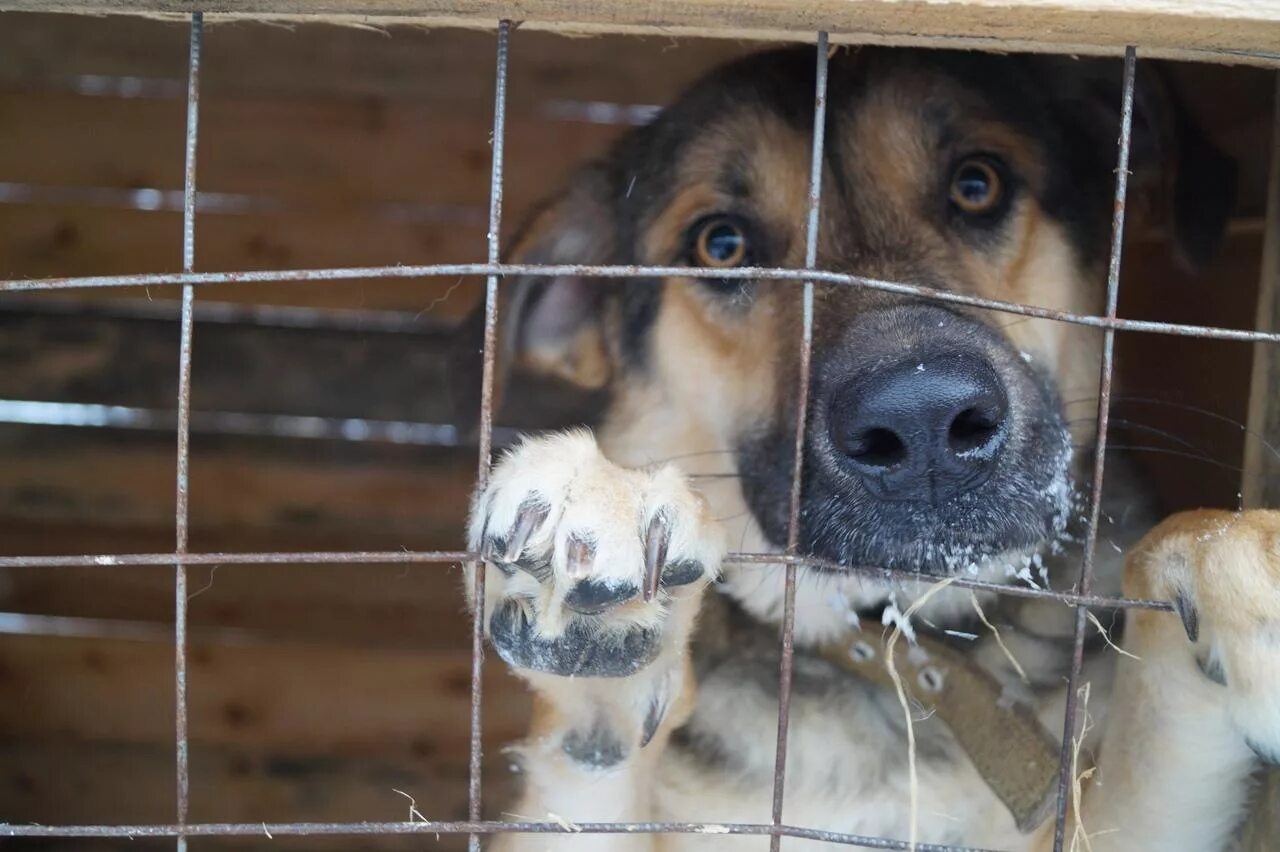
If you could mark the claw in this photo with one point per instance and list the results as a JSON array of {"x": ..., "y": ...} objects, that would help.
[
  {"x": 1187, "y": 612},
  {"x": 656, "y": 542},
  {"x": 529, "y": 518},
  {"x": 657, "y": 711},
  {"x": 579, "y": 558}
]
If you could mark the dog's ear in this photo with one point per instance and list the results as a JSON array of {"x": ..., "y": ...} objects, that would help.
[
  {"x": 1179, "y": 176},
  {"x": 548, "y": 326}
]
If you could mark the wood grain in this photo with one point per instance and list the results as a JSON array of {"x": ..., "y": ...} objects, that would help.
[{"x": 1205, "y": 29}]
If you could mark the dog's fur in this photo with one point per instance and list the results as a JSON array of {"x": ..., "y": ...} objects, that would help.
[{"x": 666, "y": 709}]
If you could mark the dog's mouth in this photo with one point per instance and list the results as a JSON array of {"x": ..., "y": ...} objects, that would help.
[
  {"x": 1004, "y": 530},
  {"x": 1007, "y": 531}
]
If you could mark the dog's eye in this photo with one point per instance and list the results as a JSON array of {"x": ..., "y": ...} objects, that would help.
[
  {"x": 977, "y": 187},
  {"x": 720, "y": 243}
]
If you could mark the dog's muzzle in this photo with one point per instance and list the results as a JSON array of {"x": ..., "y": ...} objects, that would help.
[{"x": 933, "y": 444}]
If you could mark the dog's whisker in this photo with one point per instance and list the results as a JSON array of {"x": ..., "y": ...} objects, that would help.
[
  {"x": 1182, "y": 406},
  {"x": 1124, "y": 448},
  {"x": 1152, "y": 430},
  {"x": 1204, "y": 412},
  {"x": 684, "y": 456}
]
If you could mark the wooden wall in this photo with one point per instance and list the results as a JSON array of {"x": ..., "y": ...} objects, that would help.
[{"x": 319, "y": 691}]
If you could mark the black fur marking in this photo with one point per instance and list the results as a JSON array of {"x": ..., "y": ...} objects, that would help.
[
  {"x": 1266, "y": 755},
  {"x": 640, "y": 300},
  {"x": 579, "y": 651},
  {"x": 1212, "y": 669},
  {"x": 597, "y": 747},
  {"x": 591, "y": 597},
  {"x": 653, "y": 718},
  {"x": 682, "y": 572}
]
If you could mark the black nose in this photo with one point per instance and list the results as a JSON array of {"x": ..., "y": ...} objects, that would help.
[{"x": 923, "y": 430}]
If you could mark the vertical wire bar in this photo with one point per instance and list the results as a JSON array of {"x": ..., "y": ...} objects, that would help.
[
  {"x": 1100, "y": 452},
  {"x": 486, "y": 415},
  {"x": 181, "y": 511},
  {"x": 802, "y": 410}
]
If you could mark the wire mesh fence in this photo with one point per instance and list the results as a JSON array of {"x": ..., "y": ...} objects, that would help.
[{"x": 1081, "y": 597}]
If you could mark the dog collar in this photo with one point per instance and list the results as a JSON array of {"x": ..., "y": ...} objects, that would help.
[{"x": 1016, "y": 757}]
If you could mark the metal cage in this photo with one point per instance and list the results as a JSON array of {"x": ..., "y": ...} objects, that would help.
[{"x": 1081, "y": 598}]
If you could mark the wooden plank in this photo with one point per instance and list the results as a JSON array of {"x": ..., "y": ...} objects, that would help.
[
  {"x": 1162, "y": 381},
  {"x": 147, "y": 58},
  {"x": 61, "y": 782},
  {"x": 1194, "y": 28},
  {"x": 1261, "y": 482},
  {"x": 290, "y": 699},
  {"x": 338, "y": 373},
  {"x": 416, "y": 607},
  {"x": 312, "y": 155},
  {"x": 46, "y": 240},
  {"x": 383, "y": 496},
  {"x": 237, "y": 367}
]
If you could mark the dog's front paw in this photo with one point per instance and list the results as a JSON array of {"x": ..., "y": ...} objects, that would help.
[
  {"x": 602, "y": 567},
  {"x": 1221, "y": 571}
]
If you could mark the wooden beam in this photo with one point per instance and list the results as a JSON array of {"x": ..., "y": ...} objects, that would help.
[
  {"x": 1214, "y": 30},
  {"x": 376, "y": 158},
  {"x": 147, "y": 58},
  {"x": 92, "y": 782},
  {"x": 292, "y": 699},
  {"x": 1261, "y": 483},
  {"x": 385, "y": 496}
]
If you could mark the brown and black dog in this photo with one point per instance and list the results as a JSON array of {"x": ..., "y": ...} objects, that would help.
[{"x": 937, "y": 443}]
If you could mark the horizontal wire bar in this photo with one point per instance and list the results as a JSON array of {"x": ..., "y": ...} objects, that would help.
[
  {"x": 258, "y": 829},
  {"x": 125, "y": 560},
  {"x": 397, "y": 557},
  {"x": 739, "y": 273}
]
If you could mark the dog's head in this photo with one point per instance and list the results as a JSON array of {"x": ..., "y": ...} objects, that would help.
[{"x": 936, "y": 437}]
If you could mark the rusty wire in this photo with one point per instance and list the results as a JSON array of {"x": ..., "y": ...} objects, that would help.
[
  {"x": 588, "y": 272},
  {"x": 485, "y": 454},
  {"x": 493, "y": 270},
  {"x": 183, "y": 498},
  {"x": 797, "y": 458},
  {"x": 1066, "y": 761}
]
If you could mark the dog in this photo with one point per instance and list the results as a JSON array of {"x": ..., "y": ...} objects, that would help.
[{"x": 938, "y": 443}]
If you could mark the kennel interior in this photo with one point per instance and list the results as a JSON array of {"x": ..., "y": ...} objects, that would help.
[{"x": 339, "y": 690}]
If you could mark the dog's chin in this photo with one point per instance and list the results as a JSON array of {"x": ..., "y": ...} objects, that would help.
[
  {"x": 971, "y": 537},
  {"x": 1021, "y": 512},
  {"x": 1008, "y": 524}
]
